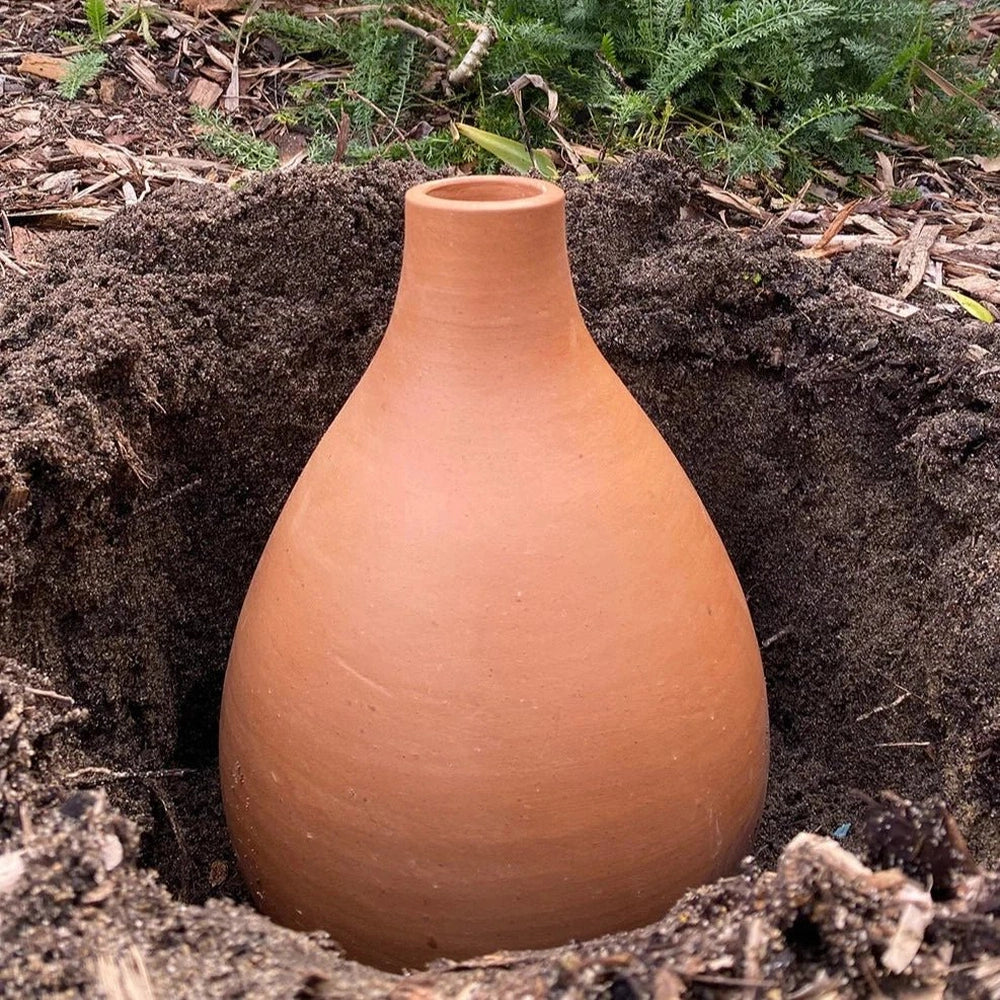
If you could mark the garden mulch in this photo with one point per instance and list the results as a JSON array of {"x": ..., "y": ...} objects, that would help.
[{"x": 72, "y": 164}]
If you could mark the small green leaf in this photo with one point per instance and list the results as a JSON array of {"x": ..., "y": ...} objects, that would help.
[
  {"x": 514, "y": 154},
  {"x": 969, "y": 304},
  {"x": 96, "y": 12},
  {"x": 84, "y": 68},
  {"x": 145, "y": 31}
]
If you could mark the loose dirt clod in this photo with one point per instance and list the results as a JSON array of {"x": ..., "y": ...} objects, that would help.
[{"x": 163, "y": 383}]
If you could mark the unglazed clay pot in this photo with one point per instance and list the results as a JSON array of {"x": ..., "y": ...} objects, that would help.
[{"x": 495, "y": 684}]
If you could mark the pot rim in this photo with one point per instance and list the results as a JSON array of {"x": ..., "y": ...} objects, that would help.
[{"x": 484, "y": 193}]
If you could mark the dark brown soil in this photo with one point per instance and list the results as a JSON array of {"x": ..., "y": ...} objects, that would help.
[{"x": 163, "y": 383}]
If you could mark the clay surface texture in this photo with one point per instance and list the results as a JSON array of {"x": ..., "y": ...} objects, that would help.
[{"x": 493, "y": 633}]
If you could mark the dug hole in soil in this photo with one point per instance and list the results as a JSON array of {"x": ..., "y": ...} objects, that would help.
[{"x": 163, "y": 382}]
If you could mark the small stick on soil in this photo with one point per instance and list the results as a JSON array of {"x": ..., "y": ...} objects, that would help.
[
  {"x": 421, "y": 33},
  {"x": 175, "y": 826},
  {"x": 753, "y": 947},
  {"x": 170, "y": 497},
  {"x": 916, "y": 743},
  {"x": 27, "y": 828},
  {"x": 54, "y": 695},
  {"x": 106, "y": 774},
  {"x": 772, "y": 639},
  {"x": 883, "y": 708}
]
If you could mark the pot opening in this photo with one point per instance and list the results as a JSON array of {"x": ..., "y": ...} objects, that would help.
[{"x": 486, "y": 189}]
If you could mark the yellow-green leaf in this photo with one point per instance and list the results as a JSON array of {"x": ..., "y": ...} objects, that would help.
[
  {"x": 969, "y": 304},
  {"x": 514, "y": 154}
]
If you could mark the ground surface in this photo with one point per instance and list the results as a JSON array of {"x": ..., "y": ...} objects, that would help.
[
  {"x": 74, "y": 163},
  {"x": 163, "y": 381}
]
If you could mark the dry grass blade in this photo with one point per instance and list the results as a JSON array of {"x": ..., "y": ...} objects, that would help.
[{"x": 946, "y": 86}]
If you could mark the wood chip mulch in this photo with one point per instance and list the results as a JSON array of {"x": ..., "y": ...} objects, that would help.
[{"x": 73, "y": 164}]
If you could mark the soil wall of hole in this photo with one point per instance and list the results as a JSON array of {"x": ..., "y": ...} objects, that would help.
[{"x": 164, "y": 381}]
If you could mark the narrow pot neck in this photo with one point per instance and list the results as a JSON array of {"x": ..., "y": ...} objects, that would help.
[{"x": 485, "y": 267}]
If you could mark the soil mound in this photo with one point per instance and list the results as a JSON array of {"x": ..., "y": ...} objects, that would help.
[{"x": 163, "y": 383}]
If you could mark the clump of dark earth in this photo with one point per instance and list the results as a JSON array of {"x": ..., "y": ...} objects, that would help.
[{"x": 162, "y": 384}]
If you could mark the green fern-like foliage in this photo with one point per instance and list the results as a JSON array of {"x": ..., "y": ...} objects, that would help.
[
  {"x": 225, "y": 140},
  {"x": 385, "y": 70},
  {"x": 96, "y": 13},
  {"x": 771, "y": 85},
  {"x": 84, "y": 69},
  {"x": 301, "y": 36},
  {"x": 755, "y": 85}
]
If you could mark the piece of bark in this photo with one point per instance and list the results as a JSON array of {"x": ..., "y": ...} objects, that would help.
[
  {"x": 203, "y": 92},
  {"x": 144, "y": 74},
  {"x": 915, "y": 255},
  {"x": 41, "y": 65}
]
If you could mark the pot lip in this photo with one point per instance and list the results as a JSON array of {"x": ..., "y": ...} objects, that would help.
[{"x": 484, "y": 193}]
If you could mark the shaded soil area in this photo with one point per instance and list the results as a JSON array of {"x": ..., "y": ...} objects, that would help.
[{"x": 163, "y": 382}]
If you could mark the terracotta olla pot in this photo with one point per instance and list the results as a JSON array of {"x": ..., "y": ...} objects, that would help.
[{"x": 495, "y": 684}]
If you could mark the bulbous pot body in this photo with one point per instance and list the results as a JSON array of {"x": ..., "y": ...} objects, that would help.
[{"x": 494, "y": 684}]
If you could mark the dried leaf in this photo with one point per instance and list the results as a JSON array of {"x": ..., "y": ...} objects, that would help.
[
  {"x": 732, "y": 200},
  {"x": 667, "y": 985},
  {"x": 969, "y": 304},
  {"x": 514, "y": 154},
  {"x": 945, "y": 85},
  {"x": 590, "y": 155},
  {"x": 990, "y": 164},
  {"x": 915, "y": 256},
  {"x": 918, "y": 912},
  {"x": 534, "y": 80},
  {"x": 219, "y": 58},
  {"x": 886, "y": 177}
]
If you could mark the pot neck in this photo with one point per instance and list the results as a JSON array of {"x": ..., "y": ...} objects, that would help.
[{"x": 485, "y": 268}]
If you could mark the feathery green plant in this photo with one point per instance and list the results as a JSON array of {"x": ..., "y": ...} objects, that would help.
[
  {"x": 84, "y": 68},
  {"x": 225, "y": 140},
  {"x": 754, "y": 85}
]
